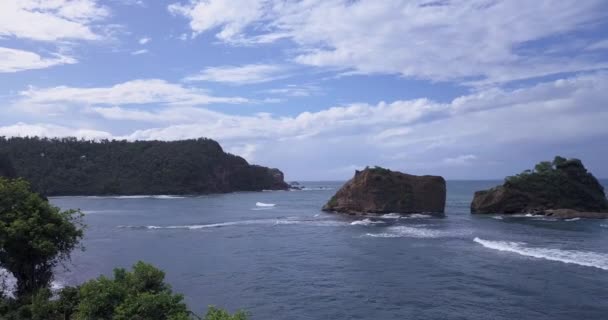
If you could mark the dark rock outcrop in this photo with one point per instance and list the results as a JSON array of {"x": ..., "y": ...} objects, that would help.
[
  {"x": 76, "y": 167},
  {"x": 377, "y": 190},
  {"x": 561, "y": 184}
]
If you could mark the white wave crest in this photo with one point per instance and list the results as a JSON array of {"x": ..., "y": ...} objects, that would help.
[
  {"x": 390, "y": 216},
  {"x": 497, "y": 217},
  {"x": 316, "y": 188},
  {"x": 162, "y": 196},
  {"x": 262, "y": 204},
  {"x": 417, "y": 216},
  {"x": 572, "y": 219},
  {"x": 581, "y": 258},
  {"x": 411, "y": 232},
  {"x": 405, "y": 216},
  {"x": 286, "y": 221},
  {"x": 366, "y": 222}
]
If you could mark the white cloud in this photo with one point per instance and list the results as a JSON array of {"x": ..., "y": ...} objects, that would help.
[
  {"x": 231, "y": 16},
  {"x": 45, "y": 20},
  {"x": 293, "y": 90},
  {"x": 144, "y": 40},
  {"x": 599, "y": 45},
  {"x": 460, "y": 160},
  {"x": 138, "y": 52},
  {"x": 14, "y": 60},
  {"x": 51, "y": 131},
  {"x": 245, "y": 74},
  {"x": 479, "y": 42},
  {"x": 142, "y": 91}
]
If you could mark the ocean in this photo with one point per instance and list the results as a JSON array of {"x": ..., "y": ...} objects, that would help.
[{"x": 277, "y": 256}]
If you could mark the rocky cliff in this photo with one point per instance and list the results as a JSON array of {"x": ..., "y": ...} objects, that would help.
[
  {"x": 378, "y": 190},
  {"x": 78, "y": 167},
  {"x": 561, "y": 184}
]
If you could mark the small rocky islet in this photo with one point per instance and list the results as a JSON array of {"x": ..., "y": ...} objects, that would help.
[
  {"x": 379, "y": 191},
  {"x": 561, "y": 189}
]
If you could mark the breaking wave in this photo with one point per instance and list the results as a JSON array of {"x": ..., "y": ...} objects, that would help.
[
  {"x": 405, "y": 216},
  {"x": 411, "y": 232},
  {"x": 265, "y": 205},
  {"x": 581, "y": 258},
  {"x": 366, "y": 222},
  {"x": 270, "y": 222},
  {"x": 162, "y": 196}
]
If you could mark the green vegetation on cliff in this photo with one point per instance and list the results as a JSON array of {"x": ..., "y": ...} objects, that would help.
[
  {"x": 78, "y": 167},
  {"x": 560, "y": 184}
]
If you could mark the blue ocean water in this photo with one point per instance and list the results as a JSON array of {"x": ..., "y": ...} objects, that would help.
[{"x": 276, "y": 255}]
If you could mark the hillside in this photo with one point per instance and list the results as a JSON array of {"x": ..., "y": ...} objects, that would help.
[{"x": 78, "y": 167}]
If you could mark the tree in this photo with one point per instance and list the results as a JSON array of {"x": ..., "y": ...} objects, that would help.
[
  {"x": 543, "y": 167},
  {"x": 219, "y": 314},
  {"x": 34, "y": 236},
  {"x": 6, "y": 167},
  {"x": 140, "y": 294}
]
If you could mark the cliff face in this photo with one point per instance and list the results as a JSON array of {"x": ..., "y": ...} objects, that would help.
[
  {"x": 379, "y": 190},
  {"x": 76, "y": 167},
  {"x": 561, "y": 184}
]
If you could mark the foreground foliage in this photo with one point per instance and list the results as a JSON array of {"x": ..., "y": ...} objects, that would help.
[{"x": 34, "y": 236}]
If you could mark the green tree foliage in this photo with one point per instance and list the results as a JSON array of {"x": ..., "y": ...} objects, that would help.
[
  {"x": 34, "y": 236},
  {"x": 219, "y": 314},
  {"x": 561, "y": 183},
  {"x": 79, "y": 167},
  {"x": 140, "y": 294},
  {"x": 6, "y": 167}
]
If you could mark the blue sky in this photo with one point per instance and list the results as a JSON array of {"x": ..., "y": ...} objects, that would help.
[{"x": 467, "y": 89}]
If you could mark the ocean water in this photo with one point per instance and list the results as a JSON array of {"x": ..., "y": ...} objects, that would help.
[{"x": 276, "y": 255}]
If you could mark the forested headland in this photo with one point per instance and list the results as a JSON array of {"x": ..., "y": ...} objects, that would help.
[{"x": 70, "y": 166}]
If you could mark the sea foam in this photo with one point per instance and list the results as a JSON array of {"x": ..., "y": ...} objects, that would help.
[
  {"x": 411, "y": 232},
  {"x": 265, "y": 205},
  {"x": 270, "y": 222},
  {"x": 366, "y": 222},
  {"x": 581, "y": 258}
]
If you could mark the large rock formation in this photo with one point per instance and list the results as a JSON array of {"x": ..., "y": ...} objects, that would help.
[
  {"x": 378, "y": 190},
  {"x": 77, "y": 167},
  {"x": 561, "y": 184}
]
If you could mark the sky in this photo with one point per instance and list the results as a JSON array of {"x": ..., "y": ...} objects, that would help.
[{"x": 467, "y": 89}]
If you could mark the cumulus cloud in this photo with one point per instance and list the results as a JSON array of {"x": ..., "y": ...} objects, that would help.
[
  {"x": 51, "y": 20},
  {"x": 14, "y": 60},
  {"x": 135, "y": 92},
  {"x": 245, "y": 74},
  {"x": 477, "y": 42},
  {"x": 144, "y": 40},
  {"x": 51, "y": 131},
  {"x": 139, "y": 52}
]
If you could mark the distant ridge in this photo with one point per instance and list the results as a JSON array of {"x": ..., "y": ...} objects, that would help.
[{"x": 69, "y": 166}]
